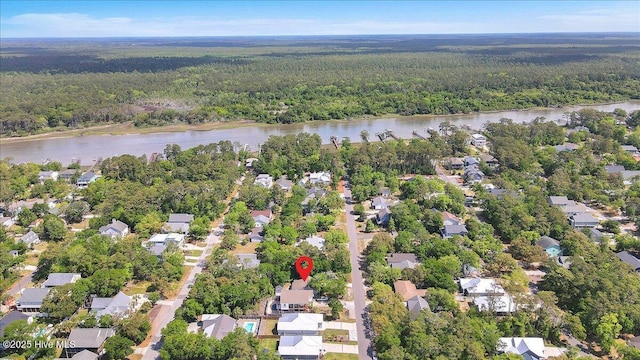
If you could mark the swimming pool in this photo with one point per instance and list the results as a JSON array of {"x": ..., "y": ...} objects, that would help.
[{"x": 248, "y": 326}]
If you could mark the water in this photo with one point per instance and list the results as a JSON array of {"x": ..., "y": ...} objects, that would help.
[{"x": 88, "y": 148}]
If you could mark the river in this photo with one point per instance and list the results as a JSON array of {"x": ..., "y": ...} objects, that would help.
[{"x": 88, "y": 148}]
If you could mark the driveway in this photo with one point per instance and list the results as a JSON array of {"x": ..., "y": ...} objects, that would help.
[{"x": 365, "y": 350}]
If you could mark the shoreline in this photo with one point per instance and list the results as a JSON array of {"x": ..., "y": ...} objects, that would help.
[{"x": 128, "y": 128}]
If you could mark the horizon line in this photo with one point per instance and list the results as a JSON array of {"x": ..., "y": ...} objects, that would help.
[{"x": 316, "y": 35}]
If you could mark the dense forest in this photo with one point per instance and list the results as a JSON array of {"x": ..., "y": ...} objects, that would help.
[{"x": 57, "y": 85}]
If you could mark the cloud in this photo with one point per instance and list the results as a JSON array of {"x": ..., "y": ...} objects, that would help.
[{"x": 83, "y": 25}]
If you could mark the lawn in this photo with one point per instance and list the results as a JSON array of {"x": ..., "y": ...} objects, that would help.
[
  {"x": 270, "y": 344},
  {"x": 338, "y": 356},
  {"x": 193, "y": 252},
  {"x": 270, "y": 327},
  {"x": 249, "y": 248},
  {"x": 136, "y": 287},
  {"x": 334, "y": 335}
]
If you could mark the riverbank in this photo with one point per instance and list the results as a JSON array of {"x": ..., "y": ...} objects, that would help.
[{"x": 129, "y": 129}]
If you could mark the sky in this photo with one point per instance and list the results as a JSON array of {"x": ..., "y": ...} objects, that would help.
[{"x": 155, "y": 18}]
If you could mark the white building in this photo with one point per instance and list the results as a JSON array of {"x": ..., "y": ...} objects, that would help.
[
  {"x": 166, "y": 239},
  {"x": 300, "y": 324},
  {"x": 478, "y": 140},
  {"x": 300, "y": 347},
  {"x": 264, "y": 180}
]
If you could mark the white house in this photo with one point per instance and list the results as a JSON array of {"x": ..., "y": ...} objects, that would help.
[
  {"x": 322, "y": 177},
  {"x": 478, "y": 140},
  {"x": 300, "y": 324},
  {"x": 179, "y": 223},
  {"x": 117, "y": 306},
  {"x": 166, "y": 239},
  {"x": 299, "y": 347},
  {"x": 59, "y": 279},
  {"x": 45, "y": 175},
  {"x": 86, "y": 179},
  {"x": 480, "y": 287},
  {"x": 264, "y": 180},
  {"x": 316, "y": 241},
  {"x": 528, "y": 347}
]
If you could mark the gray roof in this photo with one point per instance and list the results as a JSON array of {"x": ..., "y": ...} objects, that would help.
[
  {"x": 59, "y": 279},
  {"x": 595, "y": 234},
  {"x": 29, "y": 237},
  {"x": 584, "y": 218},
  {"x": 614, "y": 169},
  {"x": 116, "y": 225},
  {"x": 89, "y": 338},
  {"x": 626, "y": 257},
  {"x": 180, "y": 218},
  {"x": 402, "y": 260},
  {"x": 32, "y": 297},
  {"x": 455, "y": 229},
  {"x": 87, "y": 176},
  {"x": 546, "y": 242},
  {"x": 85, "y": 355},
  {"x": 9, "y": 318},
  {"x": 629, "y": 148},
  {"x": 630, "y": 174},
  {"x": 157, "y": 248},
  {"x": 284, "y": 183},
  {"x": 118, "y": 304},
  {"x": 216, "y": 325},
  {"x": 416, "y": 304},
  {"x": 379, "y": 201},
  {"x": 559, "y": 200}
]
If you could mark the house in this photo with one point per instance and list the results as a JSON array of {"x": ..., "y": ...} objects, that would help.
[
  {"x": 407, "y": 289},
  {"x": 313, "y": 193},
  {"x": 322, "y": 177},
  {"x": 117, "y": 306},
  {"x": 14, "y": 253},
  {"x": 116, "y": 229},
  {"x": 248, "y": 261},
  {"x": 91, "y": 339},
  {"x": 583, "y": 220},
  {"x": 300, "y": 347},
  {"x": 489, "y": 160},
  {"x": 30, "y": 239},
  {"x": 402, "y": 261},
  {"x": 316, "y": 241},
  {"x": 295, "y": 300},
  {"x": 178, "y": 223},
  {"x": 87, "y": 178},
  {"x": 216, "y": 325},
  {"x": 635, "y": 342},
  {"x": 416, "y": 304},
  {"x": 260, "y": 220},
  {"x": 614, "y": 169},
  {"x": 566, "y": 147},
  {"x": 256, "y": 235},
  {"x": 48, "y": 175},
  {"x": 500, "y": 304},
  {"x": 480, "y": 287},
  {"x": 564, "y": 261},
  {"x": 471, "y": 161},
  {"x": 629, "y": 175},
  {"x": 379, "y": 203},
  {"x": 12, "y": 317},
  {"x": 499, "y": 193},
  {"x": 453, "y": 163},
  {"x": 249, "y": 162},
  {"x": 595, "y": 234},
  {"x": 385, "y": 192},
  {"x": 6, "y": 221},
  {"x": 550, "y": 245},
  {"x": 629, "y": 259},
  {"x": 156, "y": 248},
  {"x": 573, "y": 209},
  {"x": 166, "y": 239},
  {"x": 478, "y": 140},
  {"x": 300, "y": 324},
  {"x": 31, "y": 300},
  {"x": 559, "y": 201},
  {"x": 264, "y": 180},
  {"x": 630, "y": 149},
  {"x": 528, "y": 347},
  {"x": 299, "y": 284},
  {"x": 450, "y": 219},
  {"x": 59, "y": 279},
  {"x": 383, "y": 216},
  {"x": 85, "y": 355},
  {"x": 451, "y": 230},
  {"x": 473, "y": 175},
  {"x": 68, "y": 174},
  {"x": 284, "y": 184}
]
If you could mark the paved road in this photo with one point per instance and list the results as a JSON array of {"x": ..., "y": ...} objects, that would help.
[
  {"x": 359, "y": 296},
  {"x": 169, "y": 308}
]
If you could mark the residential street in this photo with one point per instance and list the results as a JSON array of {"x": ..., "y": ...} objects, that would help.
[
  {"x": 169, "y": 307},
  {"x": 359, "y": 296}
]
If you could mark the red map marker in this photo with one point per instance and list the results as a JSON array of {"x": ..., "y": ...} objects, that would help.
[{"x": 304, "y": 271}]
